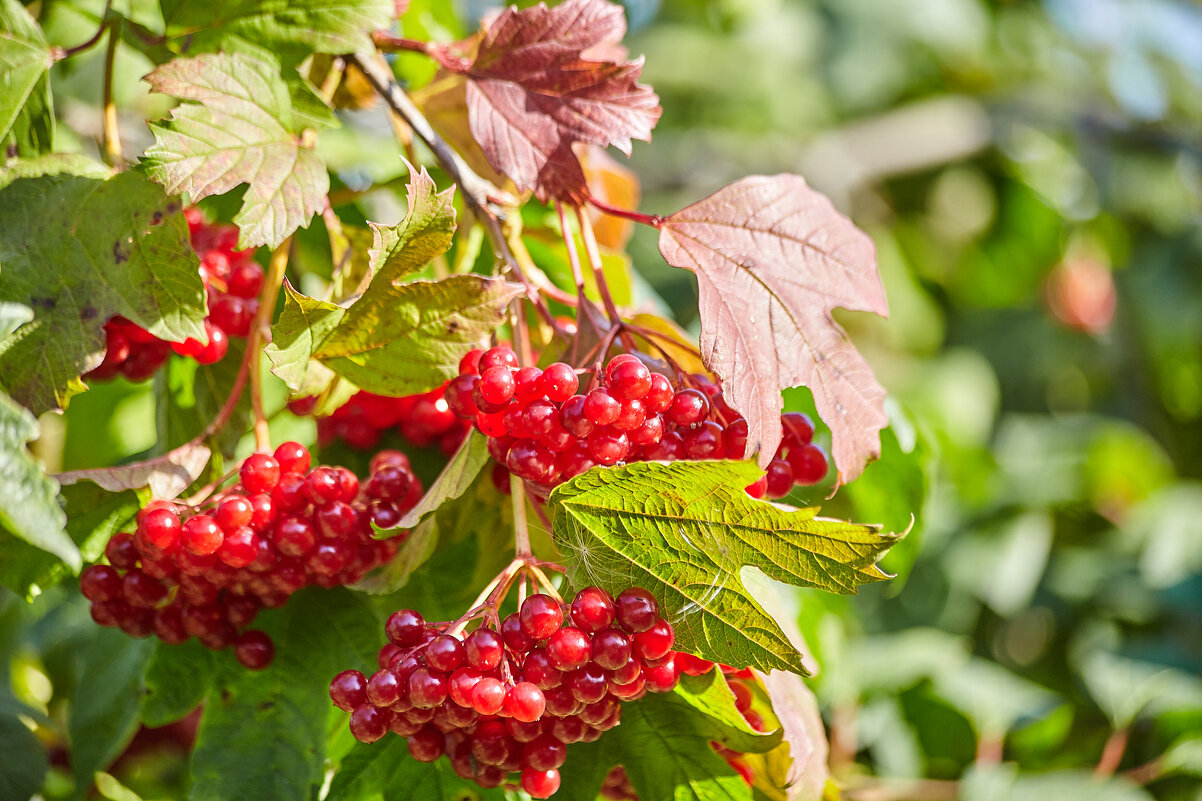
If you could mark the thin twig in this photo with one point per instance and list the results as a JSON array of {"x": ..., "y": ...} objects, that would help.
[
  {"x": 478, "y": 192},
  {"x": 105, "y": 23},
  {"x": 260, "y": 333},
  {"x": 653, "y": 220},
  {"x": 521, "y": 530},
  {"x": 1112, "y": 753},
  {"x": 395, "y": 44},
  {"x": 110, "y": 130}
]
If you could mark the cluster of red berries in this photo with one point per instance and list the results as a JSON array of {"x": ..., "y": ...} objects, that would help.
[
  {"x": 232, "y": 282},
  {"x": 206, "y": 572},
  {"x": 617, "y": 784},
  {"x": 423, "y": 420},
  {"x": 542, "y": 431},
  {"x": 500, "y": 702}
]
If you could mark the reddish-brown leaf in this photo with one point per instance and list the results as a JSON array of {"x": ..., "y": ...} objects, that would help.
[
  {"x": 773, "y": 257},
  {"x": 543, "y": 79}
]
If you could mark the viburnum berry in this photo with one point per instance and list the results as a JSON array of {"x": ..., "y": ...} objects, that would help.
[
  {"x": 506, "y": 702},
  {"x": 541, "y": 431},
  {"x": 206, "y": 572}
]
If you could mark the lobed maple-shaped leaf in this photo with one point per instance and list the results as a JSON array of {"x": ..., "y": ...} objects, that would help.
[
  {"x": 308, "y": 26},
  {"x": 425, "y": 233},
  {"x": 685, "y": 530},
  {"x": 239, "y": 128},
  {"x": 773, "y": 258},
  {"x": 395, "y": 339},
  {"x": 543, "y": 79},
  {"x": 78, "y": 248}
]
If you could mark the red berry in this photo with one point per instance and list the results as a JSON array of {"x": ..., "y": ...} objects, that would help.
[
  {"x": 637, "y": 609},
  {"x": 798, "y": 428},
  {"x": 779, "y": 479},
  {"x": 427, "y": 688},
  {"x": 540, "y": 783},
  {"x": 496, "y": 387},
  {"x": 323, "y": 486},
  {"x": 100, "y": 583},
  {"x": 500, "y": 356},
  {"x": 233, "y": 513},
  {"x": 160, "y": 528},
  {"x": 809, "y": 463},
  {"x": 655, "y": 642},
  {"x": 593, "y": 609},
  {"x": 600, "y": 408},
  {"x": 292, "y": 457},
  {"x": 349, "y": 689},
  {"x": 628, "y": 380},
  {"x": 659, "y": 396},
  {"x": 544, "y": 753},
  {"x": 608, "y": 447},
  {"x": 573, "y": 417},
  {"x": 704, "y": 441},
  {"x": 405, "y": 628},
  {"x": 259, "y": 473},
  {"x": 569, "y": 648},
  {"x": 525, "y": 702},
  {"x": 540, "y": 616},
  {"x": 426, "y": 744},
  {"x": 484, "y": 649},
  {"x": 611, "y": 648},
  {"x": 488, "y": 696},
  {"x": 254, "y": 650},
  {"x": 201, "y": 535},
  {"x": 688, "y": 408},
  {"x": 121, "y": 551},
  {"x": 515, "y": 638},
  {"x": 445, "y": 653},
  {"x": 560, "y": 382},
  {"x": 369, "y": 723},
  {"x": 470, "y": 363},
  {"x": 246, "y": 279}
]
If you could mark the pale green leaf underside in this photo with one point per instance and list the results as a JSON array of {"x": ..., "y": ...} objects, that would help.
[
  {"x": 454, "y": 479},
  {"x": 685, "y": 530},
  {"x": 24, "y": 59},
  {"x": 395, "y": 339},
  {"x": 238, "y": 130}
]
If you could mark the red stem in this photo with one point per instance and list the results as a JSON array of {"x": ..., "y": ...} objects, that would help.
[
  {"x": 654, "y": 220},
  {"x": 1112, "y": 753},
  {"x": 393, "y": 44}
]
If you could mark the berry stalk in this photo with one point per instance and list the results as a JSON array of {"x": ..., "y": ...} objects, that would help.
[{"x": 260, "y": 333}]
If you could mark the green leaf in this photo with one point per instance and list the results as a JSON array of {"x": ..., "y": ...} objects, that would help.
[
  {"x": 384, "y": 770},
  {"x": 26, "y": 112},
  {"x": 395, "y": 339},
  {"x": 685, "y": 530},
  {"x": 240, "y": 129},
  {"x": 29, "y": 508},
  {"x": 102, "y": 717},
  {"x": 459, "y": 474},
  {"x": 710, "y": 695},
  {"x": 262, "y": 735},
  {"x": 1184, "y": 756},
  {"x": 188, "y": 396},
  {"x": 93, "y": 515},
  {"x": 663, "y": 746},
  {"x": 78, "y": 250},
  {"x": 425, "y": 233},
  {"x": 23, "y": 762},
  {"x": 1007, "y": 783},
  {"x": 113, "y": 790},
  {"x": 323, "y": 26},
  {"x": 991, "y": 697},
  {"x": 1127, "y": 689},
  {"x": 177, "y": 679}
]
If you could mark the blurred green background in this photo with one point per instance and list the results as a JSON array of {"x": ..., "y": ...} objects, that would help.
[{"x": 1032, "y": 175}]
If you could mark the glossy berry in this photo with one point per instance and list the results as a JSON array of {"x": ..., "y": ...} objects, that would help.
[
  {"x": 637, "y": 609},
  {"x": 484, "y": 649},
  {"x": 254, "y": 650},
  {"x": 541, "y": 616},
  {"x": 593, "y": 609}
]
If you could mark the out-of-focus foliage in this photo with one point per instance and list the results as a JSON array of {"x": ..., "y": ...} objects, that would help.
[{"x": 1031, "y": 173}]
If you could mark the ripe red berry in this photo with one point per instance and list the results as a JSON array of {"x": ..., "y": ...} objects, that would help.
[
  {"x": 369, "y": 723},
  {"x": 655, "y": 642},
  {"x": 809, "y": 463},
  {"x": 488, "y": 696},
  {"x": 292, "y": 457},
  {"x": 260, "y": 473},
  {"x": 560, "y": 382},
  {"x": 100, "y": 583},
  {"x": 628, "y": 380},
  {"x": 445, "y": 653},
  {"x": 592, "y": 609},
  {"x": 688, "y": 408},
  {"x": 569, "y": 648},
  {"x": 201, "y": 535},
  {"x": 637, "y": 609},
  {"x": 484, "y": 649},
  {"x": 540, "y": 783},
  {"x": 500, "y": 356},
  {"x": 405, "y": 628},
  {"x": 541, "y": 616},
  {"x": 254, "y": 650},
  {"x": 349, "y": 689},
  {"x": 525, "y": 702},
  {"x": 600, "y": 408},
  {"x": 159, "y": 528}
]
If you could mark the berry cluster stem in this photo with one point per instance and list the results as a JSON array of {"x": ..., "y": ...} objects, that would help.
[
  {"x": 110, "y": 129},
  {"x": 260, "y": 333}
]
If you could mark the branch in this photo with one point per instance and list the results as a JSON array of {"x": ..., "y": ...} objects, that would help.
[{"x": 479, "y": 193}]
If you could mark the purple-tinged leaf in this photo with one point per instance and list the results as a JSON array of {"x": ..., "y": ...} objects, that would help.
[
  {"x": 773, "y": 258},
  {"x": 166, "y": 476}
]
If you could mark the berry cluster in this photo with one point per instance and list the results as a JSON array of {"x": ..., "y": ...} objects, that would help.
[
  {"x": 423, "y": 420},
  {"x": 510, "y": 700},
  {"x": 542, "y": 431},
  {"x": 232, "y": 282},
  {"x": 617, "y": 784},
  {"x": 206, "y": 572}
]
